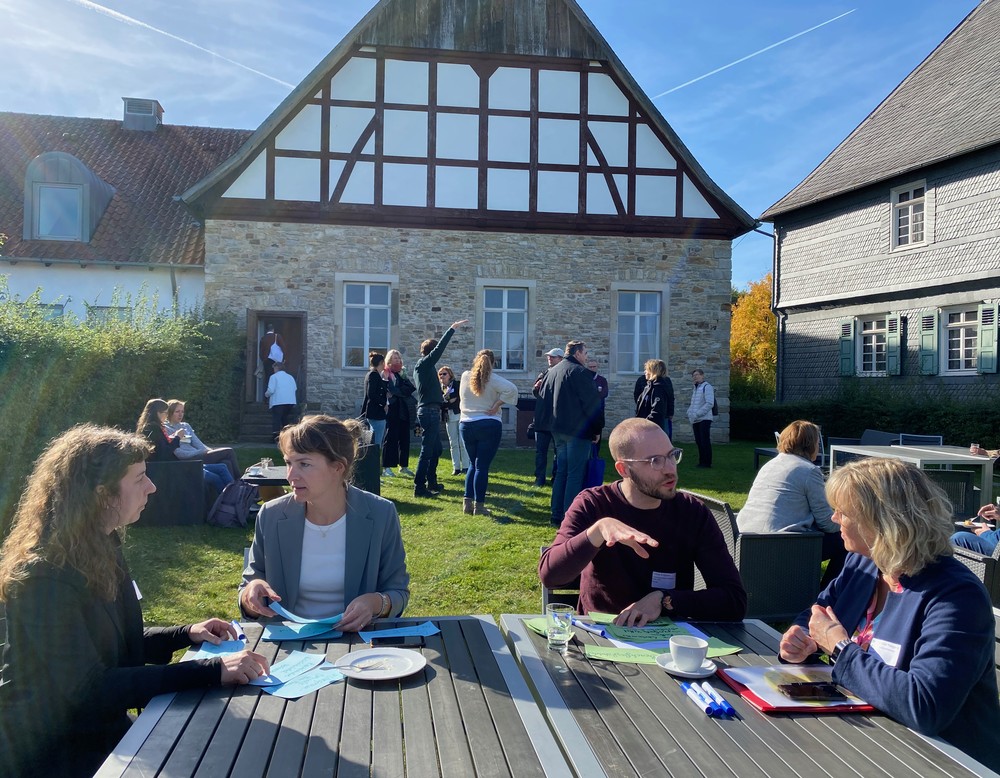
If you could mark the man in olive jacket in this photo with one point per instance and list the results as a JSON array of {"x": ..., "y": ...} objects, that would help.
[{"x": 576, "y": 409}]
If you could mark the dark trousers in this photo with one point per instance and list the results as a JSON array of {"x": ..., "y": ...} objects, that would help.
[
  {"x": 396, "y": 445},
  {"x": 482, "y": 441},
  {"x": 428, "y": 417},
  {"x": 572, "y": 454},
  {"x": 281, "y": 416},
  {"x": 703, "y": 439},
  {"x": 542, "y": 442}
]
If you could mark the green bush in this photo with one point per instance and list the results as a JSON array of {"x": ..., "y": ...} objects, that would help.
[
  {"x": 860, "y": 405},
  {"x": 57, "y": 372}
]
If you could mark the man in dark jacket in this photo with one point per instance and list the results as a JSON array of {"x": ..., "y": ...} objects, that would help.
[
  {"x": 543, "y": 420},
  {"x": 576, "y": 408},
  {"x": 429, "y": 397}
]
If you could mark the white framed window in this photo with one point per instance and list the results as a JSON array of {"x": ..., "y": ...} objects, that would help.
[
  {"x": 960, "y": 333},
  {"x": 638, "y": 331},
  {"x": 505, "y": 325},
  {"x": 104, "y": 314},
  {"x": 367, "y": 308},
  {"x": 908, "y": 211},
  {"x": 58, "y": 212},
  {"x": 872, "y": 346}
]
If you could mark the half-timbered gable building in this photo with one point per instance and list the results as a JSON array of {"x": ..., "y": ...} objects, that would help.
[
  {"x": 481, "y": 159},
  {"x": 887, "y": 256}
]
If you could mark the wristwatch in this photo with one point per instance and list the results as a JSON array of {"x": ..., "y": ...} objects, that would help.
[{"x": 838, "y": 649}]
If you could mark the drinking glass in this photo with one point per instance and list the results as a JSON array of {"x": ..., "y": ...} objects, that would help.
[{"x": 559, "y": 625}]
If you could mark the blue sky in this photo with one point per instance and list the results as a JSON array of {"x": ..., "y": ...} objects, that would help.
[{"x": 758, "y": 127}]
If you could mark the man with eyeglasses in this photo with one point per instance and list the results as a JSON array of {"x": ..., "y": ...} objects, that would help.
[{"x": 634, "y": 543}]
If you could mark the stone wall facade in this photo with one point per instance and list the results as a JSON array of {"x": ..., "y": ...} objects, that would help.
[{"x": 437, "y": 278}]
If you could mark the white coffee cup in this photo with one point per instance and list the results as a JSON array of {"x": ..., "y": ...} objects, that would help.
[{"x": 688, "y": 652}]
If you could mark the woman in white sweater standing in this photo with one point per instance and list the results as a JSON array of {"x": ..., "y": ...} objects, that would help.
[{"x": 482, "y": 395}]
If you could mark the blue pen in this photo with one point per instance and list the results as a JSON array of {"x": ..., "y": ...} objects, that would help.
[
  {"x": 697, "y": 698},
  {"x": 240, "y": 635},
  {"x": 717, "y": 698}
]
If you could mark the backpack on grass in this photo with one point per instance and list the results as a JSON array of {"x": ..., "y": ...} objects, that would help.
[{"x": 232, "y": 506}]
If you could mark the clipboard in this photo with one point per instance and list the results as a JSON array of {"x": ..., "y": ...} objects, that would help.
[{"x": 758, "y": 686}]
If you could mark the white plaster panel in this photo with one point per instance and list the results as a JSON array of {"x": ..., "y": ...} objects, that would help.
[
  {"x": 612, "y": 137},
  {"x": 406, "y": 82},
  {"x": 507, "y": 190},
  {"x": 302, "y": 132},
  {"x": 558, "y": 192},
  {"x": 604, "y": 96},
  {"x": 346, "y": 126},
  {"x": 457, "y": 136},
  {"x": 354, "y": 81},
  {"x": 296, "y": 179},
  {"x": 336, "y": 168},
  {"x": 456, "y": 187},
  {"x": 404, "y": 184},
  {"x": 559, "y": 141},
  {"x": 252, "y": 182},
  {"x": 558, "y": 91},
  {"x": 457, "y": 85},
  {"x": 509, "y": 139},
  {"x": 695, "y": 204},
  {"x": 599, "y": 200},
  {"x": 650, "y": 152},
  {"x": 405, "y": 134},
  {"x": 655, "y": 196},
  {"x": 510, "y": 88},
  {"x": 361, "y": 185}
]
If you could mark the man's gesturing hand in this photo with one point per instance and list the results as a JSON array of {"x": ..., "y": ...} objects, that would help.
[{"x": 608, "y": 531}]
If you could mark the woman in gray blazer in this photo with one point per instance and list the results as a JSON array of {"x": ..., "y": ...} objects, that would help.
[{"x": 328, "y": 547}]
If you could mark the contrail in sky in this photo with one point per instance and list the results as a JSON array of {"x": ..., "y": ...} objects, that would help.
[
  {"x": 743, "y": 59},
  {"x": 120, "y": 17}
]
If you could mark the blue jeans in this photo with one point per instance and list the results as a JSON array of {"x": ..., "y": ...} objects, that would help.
[
  {"x": 571, "y": 468},
  {"x": 482, "y": 441},
  {"x": 218, "y": 476},
  {"x": 983, "y": 544},
  {"x": 378, "y": 430},
  {"x": 428, "y": 417}
]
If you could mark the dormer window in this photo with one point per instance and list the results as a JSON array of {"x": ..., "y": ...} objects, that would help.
[
  {"x": 908, "y": 215},
  {"x": 58, "y": 212},
  {"x": 63, "y": 198}
]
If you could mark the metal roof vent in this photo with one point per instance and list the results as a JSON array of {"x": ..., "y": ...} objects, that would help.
[{"x": 142, "y": 115}]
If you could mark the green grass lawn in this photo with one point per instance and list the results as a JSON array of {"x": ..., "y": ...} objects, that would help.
[{"x": 458, "y": 564}]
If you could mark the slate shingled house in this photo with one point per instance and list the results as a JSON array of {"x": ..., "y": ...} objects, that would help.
[
  {"x": 481, "y": 159},
  {"x": 887, "y": 256}
]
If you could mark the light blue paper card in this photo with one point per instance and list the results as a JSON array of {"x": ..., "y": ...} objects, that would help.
[
  {"x": 308, "y": 682},
  {"x": 209, "y": 651},
  {"x": 294, "y": 665},
  {"x": 286, "y": 614},
  {"x": 279, "y": 632},
  {"x": 424, "y": 630}
]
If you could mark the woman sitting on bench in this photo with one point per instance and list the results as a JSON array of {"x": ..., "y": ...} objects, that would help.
[{"x": 191, "y": 446}]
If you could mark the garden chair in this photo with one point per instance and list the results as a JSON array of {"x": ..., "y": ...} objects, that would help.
[
  {"x": 906, "y": 439},
  {"x": 780, "y": 570},
  {"x": 960, "y": 486},
  {"x": 986, "y": 568}
]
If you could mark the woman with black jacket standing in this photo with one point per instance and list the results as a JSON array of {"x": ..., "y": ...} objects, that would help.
[{"x": 376, "y": 400}]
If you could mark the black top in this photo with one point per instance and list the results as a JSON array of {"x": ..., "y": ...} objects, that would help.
[
  {"x": 373, "y": 406},
  {"x": 656, "y": 402}
]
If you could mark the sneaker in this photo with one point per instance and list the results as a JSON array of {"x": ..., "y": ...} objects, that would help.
[
  {"x": 423, "y": 492},
  {"x": 387, "y": 473},
  {"x": 406, "y": 471},
  {"x": 435, "y": 488}
]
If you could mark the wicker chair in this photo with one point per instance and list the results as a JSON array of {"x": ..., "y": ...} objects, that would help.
[
  {"x": 960, "y": 486},
  {"x": 986, "y": 568},
  {"x": 780, "y": 570}
]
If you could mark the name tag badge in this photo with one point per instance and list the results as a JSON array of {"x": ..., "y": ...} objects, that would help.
[
  {"x": 889, "y": 652},
  {"x": 664, "y": 580},
  {"x": 138, "y": 594}
]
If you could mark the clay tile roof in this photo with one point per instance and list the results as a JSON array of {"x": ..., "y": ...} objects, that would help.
[
  {"x": 143, "y": 223},
  {"x": 948, "y": 106}
]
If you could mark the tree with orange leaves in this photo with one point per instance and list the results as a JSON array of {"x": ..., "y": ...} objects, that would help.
[{"x": 753, "y": 345}]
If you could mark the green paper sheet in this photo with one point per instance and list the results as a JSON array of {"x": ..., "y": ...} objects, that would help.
[
  {"x": 538, "y": 625},
  {"x": 608, "y": 618},
  {"x": 644, "y": 634},
  {"x": 638, "y": 656}
]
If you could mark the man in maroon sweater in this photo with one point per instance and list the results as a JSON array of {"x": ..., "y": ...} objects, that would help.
[{"x": 634, "y": 543}]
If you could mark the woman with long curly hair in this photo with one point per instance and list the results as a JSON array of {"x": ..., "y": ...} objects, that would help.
[
  {"x": 482, "y": 394},
  {"x": 77, "y": 655}
]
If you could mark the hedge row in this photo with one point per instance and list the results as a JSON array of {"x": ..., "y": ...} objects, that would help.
[
  {"x": 55, "y": 373},
  {"x": 856, "y": 407}
]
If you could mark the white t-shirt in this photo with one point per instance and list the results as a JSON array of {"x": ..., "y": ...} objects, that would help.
[{"x": 324, "y": 559}]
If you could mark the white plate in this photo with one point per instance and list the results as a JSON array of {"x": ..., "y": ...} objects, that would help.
[
  {"x": 667, "y": 663},
  {"x": 380, "y": 664}
]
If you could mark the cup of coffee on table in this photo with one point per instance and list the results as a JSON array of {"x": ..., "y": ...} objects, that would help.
[{"x": 688, "y": 652}]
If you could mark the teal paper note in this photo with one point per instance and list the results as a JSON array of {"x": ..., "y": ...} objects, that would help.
[
  {"x": 423, "y": 630},
  {"x": 307, "y": 682},
  {"x": 286, "y": 614},
  {"x": 292, "y": 666},
  {"x": 279, "y": 632}
]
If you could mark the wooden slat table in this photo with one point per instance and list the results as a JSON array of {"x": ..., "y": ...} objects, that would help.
[
  {"x": 468, "y": 713},
  {"x": 633, "y": 720}
]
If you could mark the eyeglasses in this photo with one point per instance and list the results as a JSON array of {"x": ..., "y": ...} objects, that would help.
[
  {"x": 659, "y": 462},
  {"x": 442, "y": 374}
]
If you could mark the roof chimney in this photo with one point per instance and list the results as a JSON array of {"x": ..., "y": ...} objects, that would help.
[{"x": 142, "y": 115}]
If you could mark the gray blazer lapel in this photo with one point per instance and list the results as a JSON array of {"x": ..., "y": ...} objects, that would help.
[
  {"x": 359, "y": 538},
  {"x": 289, "y": 531}
]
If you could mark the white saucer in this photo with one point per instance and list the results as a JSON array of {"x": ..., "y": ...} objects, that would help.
[{"x": 667, "y": 663}]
